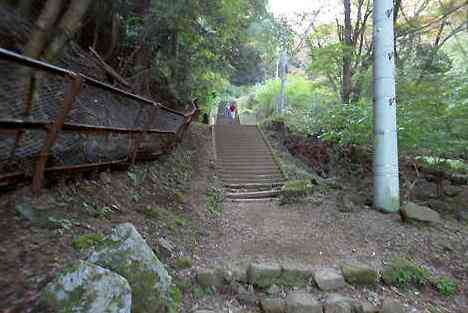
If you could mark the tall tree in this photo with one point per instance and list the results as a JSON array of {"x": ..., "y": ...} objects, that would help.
[
  {"x": 43, "y": 28},
  {"x": 347, "y": 75},
  {"x": 69, "y": 24}
]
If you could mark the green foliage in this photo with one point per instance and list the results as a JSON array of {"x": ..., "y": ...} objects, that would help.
[
  {"x": 295, "y": 190},
  {"x": 176, "y": 299},
  {"x": 184, "y": 262},
  {"x": 200, "y": 292},
  {"x": 446, "y": 286},
  {"x": 403, "y": 273},
  {"x": 214, "y": 200},
  {"x": 87, "y": 241},
  {"x": 59, "y": 224}
]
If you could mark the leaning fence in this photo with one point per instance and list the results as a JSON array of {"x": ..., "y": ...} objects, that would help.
[{"x": 53, "y": 120}]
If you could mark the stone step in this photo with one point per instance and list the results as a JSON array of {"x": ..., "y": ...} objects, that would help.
[
  {"x": 254, "y": 200},
  {"x": 248, "y": 169},
  {"x": 244, "y": 153},
  {"x": 253, "y": 194},
  {"x": 254, "y": 186},
  {"x": 240, "y": 181},
  {"x": 252, "y": 176}
]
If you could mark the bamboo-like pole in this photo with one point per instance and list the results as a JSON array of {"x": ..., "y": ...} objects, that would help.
[
  {"x": 386, "y": 180},
  {"x": 284, "y": 80}
]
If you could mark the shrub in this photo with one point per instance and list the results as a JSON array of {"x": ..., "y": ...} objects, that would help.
[
  {"x": 403, "y": 273},
  {"x": 446, "y": 286},
  {"x": 184, "y": 262}
]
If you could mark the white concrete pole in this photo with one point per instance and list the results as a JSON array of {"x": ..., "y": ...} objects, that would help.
[
  {"x": 386, "y": 180},
  {"x": 284, "y": 80}
]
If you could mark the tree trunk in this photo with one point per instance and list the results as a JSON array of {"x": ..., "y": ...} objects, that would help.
[
  {"x": 24, "y": 8},
  {"x": 115, "y": 35},
  {"x": 68, "y": 26},
  {"x": 42, "y": 28},
  {"x": 346, "y": 86}
]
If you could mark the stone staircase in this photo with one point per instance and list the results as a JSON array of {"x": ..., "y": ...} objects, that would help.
[{"x": 245, "y": 163}]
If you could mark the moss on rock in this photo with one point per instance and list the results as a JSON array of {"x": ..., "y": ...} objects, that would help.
[
  {"x": 87, "y": 288},
  {"x": 87, "y": 241},
  {"x": 128, "y": 255},
  {"x": 295, "y": 190}
]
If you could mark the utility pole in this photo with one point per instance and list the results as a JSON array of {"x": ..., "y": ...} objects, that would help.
[
  {"x": 284, "y": 79},
  {"x": 386, "y": 180}
]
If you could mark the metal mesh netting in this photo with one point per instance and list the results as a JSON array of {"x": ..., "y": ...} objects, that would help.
[{"x": 28, "y": 95}]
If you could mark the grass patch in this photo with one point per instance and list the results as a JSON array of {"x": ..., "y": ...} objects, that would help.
[
  {"x": 214, "y": 200},
  {"x": 199, "y": 292},
  {"x": 87, "y": 241},
  {"x": 184, "y": 262},
  {"x": 446, "y": 286},
  {"x": 157, "y": 213},
  {"x": 176, "y": 297},
  {"x": 404, "y": 273},
  {"x": 173, "y": 221},
  {"x": 449, "y": 165},
  {"x": 294, "y": 190}
]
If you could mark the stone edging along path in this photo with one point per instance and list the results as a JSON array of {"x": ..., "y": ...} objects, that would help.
[{"x": 300, "y": 280}]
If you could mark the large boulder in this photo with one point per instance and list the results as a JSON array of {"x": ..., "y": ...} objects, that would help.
[
  {"x": 329, "y": 279},
  {"x": 125, "y": 252},
  {"x": 88, "y": 288},
  {"x": 357, "y": 273},
  {"x": 264, "y": 275},
  {"x": 336, "y": 303},
  {"x": 413, "y": 212},
  {"x": 392, "y": 306},
  {"x": 302, "y": 302}
]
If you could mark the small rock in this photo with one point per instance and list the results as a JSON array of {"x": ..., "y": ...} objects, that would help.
[
  {"x": 452, "y": 191},
  {"x": 413, "y": 212},
  {"x": 295, "y": 274},
  {"x": 439, "y": 206},
  {"x": 336, "y": 303},
  {"x": 329, "y": 279},
  {"x": 211, "y": 277},
  {"x": 392, "y": 306},
  {"x": 105, "y": 177},
  {"x": 246, "y": 296},
  {"x": 302, "y": 302},
  {"x": 264, "y": 275},
  {"x": 462, "y": 215},
  {"x": 166, "y": 248},
  {"x": 359, "y": 274},
  {"x": 273, "y": 305},
  {"x": 369, "y": 308},
  {"x": 235, "y": 272},
  {"x": 87, "y": 288},
  {"x": 273, "y": 290}
]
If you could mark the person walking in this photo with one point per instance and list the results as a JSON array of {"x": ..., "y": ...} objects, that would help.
[
  {"x": 227, "y": 112},
  {"x": 233, "y": 110}
]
